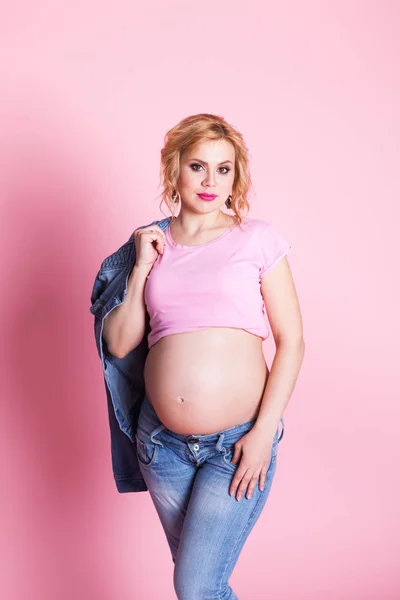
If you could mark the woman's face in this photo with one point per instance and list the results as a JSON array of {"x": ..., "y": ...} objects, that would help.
[{"x": 208, "y": 168}]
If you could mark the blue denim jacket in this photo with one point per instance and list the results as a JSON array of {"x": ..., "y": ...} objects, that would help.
[{"x": 123, "y": 377}]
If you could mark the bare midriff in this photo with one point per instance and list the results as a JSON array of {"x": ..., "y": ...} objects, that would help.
[{"x": 206, "y": 381}]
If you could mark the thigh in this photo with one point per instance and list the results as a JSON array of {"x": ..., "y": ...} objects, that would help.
[
  {"x": 215, "y": 528},
  {"x": 169, "y": 477}
]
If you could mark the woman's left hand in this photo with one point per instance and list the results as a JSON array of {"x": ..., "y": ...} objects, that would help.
[{"x": 255, "y": 448}]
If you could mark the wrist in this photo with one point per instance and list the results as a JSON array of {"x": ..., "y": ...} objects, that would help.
[
  {"x": 266, "y": 427},
  {"x": 144, "y": 269}
]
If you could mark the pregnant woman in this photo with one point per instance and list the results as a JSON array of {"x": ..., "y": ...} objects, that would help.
[{"x": 211, "y": 420}]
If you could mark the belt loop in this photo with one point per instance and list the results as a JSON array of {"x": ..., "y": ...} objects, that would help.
[
  {"x": 219, "y": 442},
  {"x": 155, "y": 432}
]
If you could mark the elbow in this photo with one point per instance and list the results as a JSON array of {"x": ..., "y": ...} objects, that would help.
[
  {"x": 113, "y": 351},
  {"x": 295, "y": 343},
  {"x": 116, "y": 354},
  {"x": 119, "y": 353}
]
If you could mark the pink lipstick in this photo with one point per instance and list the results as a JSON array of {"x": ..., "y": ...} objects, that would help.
[{"x": 207, "y": 197}]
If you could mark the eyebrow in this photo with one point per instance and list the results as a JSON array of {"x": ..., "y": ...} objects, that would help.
[{"x": 204, "y": 162}]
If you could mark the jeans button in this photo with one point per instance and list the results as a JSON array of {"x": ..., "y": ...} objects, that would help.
[{"x": 196, "y": 447}]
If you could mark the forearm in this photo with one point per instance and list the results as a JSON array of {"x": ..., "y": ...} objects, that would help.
[{"x": 280, "y": 385}]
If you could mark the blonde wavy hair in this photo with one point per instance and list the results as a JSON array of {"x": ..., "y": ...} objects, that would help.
[{"x": 183, "y": 137}]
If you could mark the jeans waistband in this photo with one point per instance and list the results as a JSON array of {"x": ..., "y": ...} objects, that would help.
[{"x": 148, "y": 420}]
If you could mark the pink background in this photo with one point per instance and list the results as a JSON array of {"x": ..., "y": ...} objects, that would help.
[{"x": 88, "y": 90}]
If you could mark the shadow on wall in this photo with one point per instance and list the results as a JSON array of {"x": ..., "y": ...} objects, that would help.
[{"x": 54, "y": 426}]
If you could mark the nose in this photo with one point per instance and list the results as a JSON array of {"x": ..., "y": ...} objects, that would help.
[{"x": 209, "y": 180}]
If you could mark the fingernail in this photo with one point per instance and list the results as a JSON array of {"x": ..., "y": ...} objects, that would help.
[{"x": 238, "y": 498}]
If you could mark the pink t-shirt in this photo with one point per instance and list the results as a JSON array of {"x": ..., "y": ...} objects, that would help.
[{"x": 216, "y": 284}]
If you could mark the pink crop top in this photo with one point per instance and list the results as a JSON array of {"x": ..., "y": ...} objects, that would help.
[{"x": 216, "y": 284}]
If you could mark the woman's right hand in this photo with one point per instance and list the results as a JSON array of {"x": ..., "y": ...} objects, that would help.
[{"x": 149, "y": 243}]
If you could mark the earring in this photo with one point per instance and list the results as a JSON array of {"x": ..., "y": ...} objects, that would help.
[{"x": 228, "y": 201}]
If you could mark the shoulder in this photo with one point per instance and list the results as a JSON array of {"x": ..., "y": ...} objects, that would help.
[
  {"x": 267, "y": 229},
  {"x": 272, "y": 244},
  {"x": 261, "y": 225},
  {"x": 262, "y": 230}
]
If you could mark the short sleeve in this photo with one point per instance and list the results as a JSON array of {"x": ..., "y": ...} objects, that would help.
[{"x": 273, "y": 246}]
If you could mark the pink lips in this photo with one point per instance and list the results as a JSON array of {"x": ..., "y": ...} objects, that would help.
[{"x": 207, "y": 196}]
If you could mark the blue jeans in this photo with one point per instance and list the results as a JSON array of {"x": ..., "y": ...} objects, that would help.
[{"x": 188, "y": 477}]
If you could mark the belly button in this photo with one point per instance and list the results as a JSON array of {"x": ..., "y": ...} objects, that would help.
[{"x": 180, "y": 399}]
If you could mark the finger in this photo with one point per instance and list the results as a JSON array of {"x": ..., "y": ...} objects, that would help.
[
  {"x": 160, "y": 246},
  {"x": 236, "y": 454},
  {"x": 234, "y": 484},
  {"x": 158, "y": 232},
  {"x": 240, "y": 471},
  {"x": 263, "y": 476},
  {"x": 141, "y": 230},
  {"x": 252, "y": 484},
  {"x": 154, "y": 232},
  {"x": 243, "y": 485},
  {"x": 156, "y": 236},
  {"x": 153, "y": 229}
]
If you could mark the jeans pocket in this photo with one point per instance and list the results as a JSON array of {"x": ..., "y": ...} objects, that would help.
[
  {"x": 146, "y": 451},
  {"x": 227, "y": 457}
]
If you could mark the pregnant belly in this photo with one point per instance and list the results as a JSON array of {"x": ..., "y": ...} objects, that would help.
[{"x": 205, "y": 381}]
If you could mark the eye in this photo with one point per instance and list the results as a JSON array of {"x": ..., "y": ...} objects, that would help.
[{"x": 198, "y": 165}]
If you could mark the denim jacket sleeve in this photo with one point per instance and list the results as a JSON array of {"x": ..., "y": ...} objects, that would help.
[
  {"x": 109, "y": 279},
  {"x": 123, "y": 377}
]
